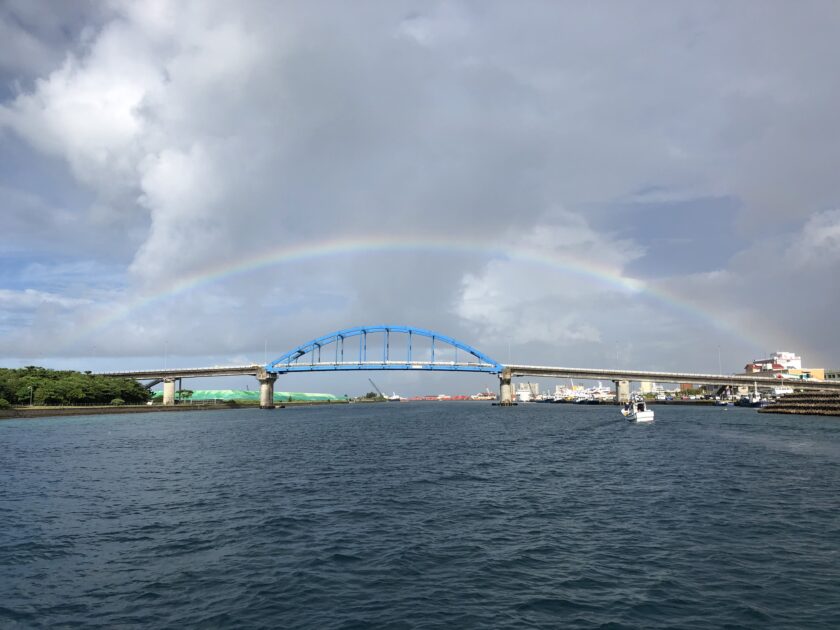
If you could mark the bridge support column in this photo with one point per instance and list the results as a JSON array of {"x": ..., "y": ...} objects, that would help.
[
  {"x": 169, "y": 391},
  {"x": 622, "y": 392},
  {"x": 266, "y": 389},
  {"x": 505, "y": 389}
]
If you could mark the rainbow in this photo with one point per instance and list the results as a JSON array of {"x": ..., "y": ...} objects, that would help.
[{"x": 339, "y": 247}]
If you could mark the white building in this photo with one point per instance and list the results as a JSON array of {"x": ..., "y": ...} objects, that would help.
[
  {"x": 777, "y": 361},
  {"x": 787, "y": 360}
]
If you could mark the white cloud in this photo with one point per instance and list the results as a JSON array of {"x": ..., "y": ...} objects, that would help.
[
  {"x": 88, "y": 111},
  {"x": 30, "y": 299},
  {"x": 528, "y": 298},
  {"x": 818, "y": 243}
]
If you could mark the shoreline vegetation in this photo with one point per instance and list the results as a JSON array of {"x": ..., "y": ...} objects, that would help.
[
  {"x": 37, "y": 386},
  {"x": 37, "y": 392}
]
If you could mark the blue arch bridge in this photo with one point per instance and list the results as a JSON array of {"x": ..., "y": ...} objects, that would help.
[{"x": 385, "y": 347}]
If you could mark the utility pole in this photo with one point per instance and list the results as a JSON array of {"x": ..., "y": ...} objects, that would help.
[{"x": 30, "y": 395}]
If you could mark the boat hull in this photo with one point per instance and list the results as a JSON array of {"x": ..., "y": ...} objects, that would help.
[
  {"x": 637, "y": 411},
  {"x": 640, "y": 416}
]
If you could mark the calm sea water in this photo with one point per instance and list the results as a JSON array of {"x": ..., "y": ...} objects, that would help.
[{"x": 427, "y": 515}]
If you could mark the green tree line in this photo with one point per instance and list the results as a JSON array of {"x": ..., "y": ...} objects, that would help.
[{"x": 54, "y": 387}]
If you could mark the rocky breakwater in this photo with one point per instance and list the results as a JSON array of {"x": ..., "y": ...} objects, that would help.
[{"x": 806, "y": 403}]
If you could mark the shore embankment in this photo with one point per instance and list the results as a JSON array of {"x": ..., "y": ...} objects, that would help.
[
  {"x": 806, "y": 403},
  {"x": 94, "y": 410}
]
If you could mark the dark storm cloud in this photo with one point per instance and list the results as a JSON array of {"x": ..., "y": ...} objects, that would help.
[{"x": 37, "y": 36}]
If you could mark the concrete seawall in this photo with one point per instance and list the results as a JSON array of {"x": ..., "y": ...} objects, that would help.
[
  {"x": 50, "y": 412},
  {"x": 806, "y": 403}
]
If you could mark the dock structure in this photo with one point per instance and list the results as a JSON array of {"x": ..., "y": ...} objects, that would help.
[{"x": 623, "y": 378}]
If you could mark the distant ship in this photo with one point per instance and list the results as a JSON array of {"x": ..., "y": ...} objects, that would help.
[
  {"x": 567, "y": 394},
  {"x": 524, "y": 393},
  {"x": 595, "y": 395},
  {"x": 485, "y": 395}
]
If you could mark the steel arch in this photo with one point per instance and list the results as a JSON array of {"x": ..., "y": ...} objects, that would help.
[{"x": 335, "y": 358}]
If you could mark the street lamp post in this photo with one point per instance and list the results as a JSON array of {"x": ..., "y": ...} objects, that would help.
[{"x": 30, "y": 395}]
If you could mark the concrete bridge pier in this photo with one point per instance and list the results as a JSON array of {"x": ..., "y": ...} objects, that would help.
[
  {"x": 266, "y": 389},
  {"x": 505, "y": 389},
  {"x": 622, "y": 392},
  {"x": 169, "y": 391}
]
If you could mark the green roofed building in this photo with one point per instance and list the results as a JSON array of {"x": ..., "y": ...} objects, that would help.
[{"x": 203, "y": 395}]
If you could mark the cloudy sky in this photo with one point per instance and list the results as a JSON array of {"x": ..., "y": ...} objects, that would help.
[{"x": 630, "y": 184}]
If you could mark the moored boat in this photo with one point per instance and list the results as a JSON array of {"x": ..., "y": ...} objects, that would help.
[
  {"x": 526, "y": 392},
  {"x": 485, "y": 395},
  {"x": 753, "y": 400}
]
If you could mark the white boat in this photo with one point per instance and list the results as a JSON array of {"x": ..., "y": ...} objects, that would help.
[
  {"x": 523, "y": 395},
  {"x": 526, "y": 392},
  {"x": 601, "y": 394},
  {"x": 636, "y": 411}
]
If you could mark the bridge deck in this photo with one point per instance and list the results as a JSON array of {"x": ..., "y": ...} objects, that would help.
[
  {"x": 663, "y": 377},
  {"x": 228, "y": 370},
  {"x": 513, "y": 370}
]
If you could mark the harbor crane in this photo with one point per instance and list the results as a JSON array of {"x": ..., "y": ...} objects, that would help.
[{"x": 378, "y": 391}]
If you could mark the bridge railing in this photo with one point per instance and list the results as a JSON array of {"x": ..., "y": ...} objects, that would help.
[
  {"x": 384, "y": 347},
  {"x": 385, "y": 365}
]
